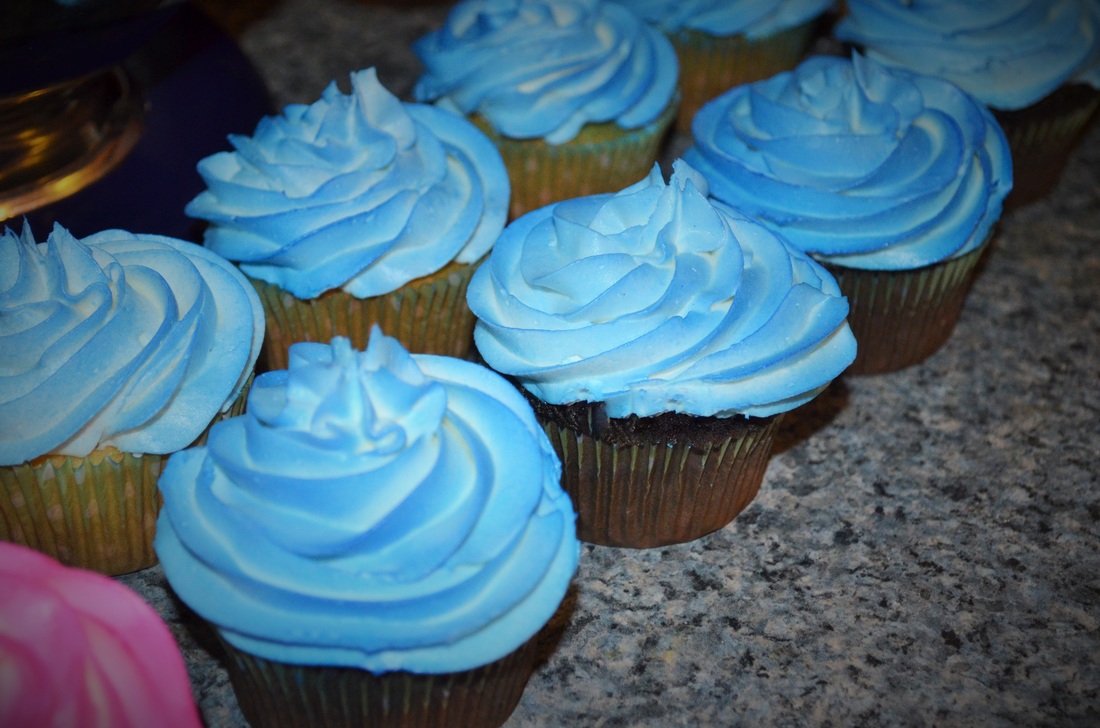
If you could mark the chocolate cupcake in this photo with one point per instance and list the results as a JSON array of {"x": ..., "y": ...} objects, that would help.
[
  {"x": 1034, "y": 63},
  {"x": 662, "y": 336},
  {"x": 894, "y": 181},
  {"x": 378, "y": 540}
]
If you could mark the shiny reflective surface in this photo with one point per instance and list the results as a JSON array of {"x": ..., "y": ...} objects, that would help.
[
  {"x": 57, "y": 140},
  {"x": 190, "y": 86}
]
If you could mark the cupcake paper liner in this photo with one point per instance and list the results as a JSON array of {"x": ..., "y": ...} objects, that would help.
[
  {"x": 273, "y": 694},
  {"x": 1042, "y": 137},
  {"x": 96, "y": 512},
  {"x": 601, "y": 158},
  {"x": 656, "y": 486},
  {"x": 711, "y": 65},
  {"x": 428, "y": 316},
  {"x": 900, "y": 318}
]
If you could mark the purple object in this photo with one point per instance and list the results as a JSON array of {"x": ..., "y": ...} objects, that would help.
[{"x": 199, "y": 88}]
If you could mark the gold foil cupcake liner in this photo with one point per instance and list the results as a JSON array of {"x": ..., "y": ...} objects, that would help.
[
  {"x": 428, "y": 316},
  {"x": 650, "y": 494},
  {"x": 601, "y": 158},
  {"x": 96, "y": 512},
  {"x": 900, "y": 318},
  {"x": 276, "y": 695},
  {"x": 711, "y": 65},
  {"x": 1042, "y": 138}
]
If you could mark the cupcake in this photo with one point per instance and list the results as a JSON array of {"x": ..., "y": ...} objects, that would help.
[
  {"x": 357, "y": 210},
  {"x": 116, "y": 350},
  {"x": 1035, "y": 63},
  {"x": 725, "y": 43},
  {"x": 576, "y": 94},
  {"x": 377, "y": 540},
  {"x": 80, "y": 649},
  {"x": 893, "y": 180},
  {"x": 660, "y": 336}
]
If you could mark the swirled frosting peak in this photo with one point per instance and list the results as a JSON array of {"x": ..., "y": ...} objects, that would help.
[
  {"x": 545, "y": 68},
  {"x": 360, "y": 192},
  {"x": 79, "y": 649},
  {"x": 656, "y": 299},
  {"x": 135, "y": 341},
  {"x": 751, "y": 18},
  {"x": 860, "y": 164},
  {"x": 1007, "y": 53},
  {"x": 372, "y": 509}
]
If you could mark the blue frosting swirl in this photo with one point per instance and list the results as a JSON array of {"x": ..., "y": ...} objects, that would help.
[
  {"x": 857, "y": 163},
  {"x": 359, "y": 192},
  {"x": 372, "y": 509},
  {"x": 1007, "y": 53},
  {"x": 656, "y": 299},
  {"x": 124, "y": 340},
  {"x": 545, "y": 68},
  {"x": 750, "y": 18}
]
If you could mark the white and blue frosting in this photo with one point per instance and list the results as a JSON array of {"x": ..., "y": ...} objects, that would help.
[
  {"x": 542, "y": 69},
  {"x": 658, "y": 299},
  {"x": 857, "y": 163},
  {"x": 750, "y": 18},
  {"x": 376, "y": 510},
  {"x": 118, "y": 339},
  {"x": 1007, "y": 53},
  {"x": 356, "y": 191}
]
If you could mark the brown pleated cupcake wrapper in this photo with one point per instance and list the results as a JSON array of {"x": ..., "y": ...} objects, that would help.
[
  {"x": 97, "y": 512},
  {"x": 711, "y": 65},
  {"x": 649, "y": 495},
  {"x": 900, "y": 318},
  {"x": 274, "y": 695},
  {"x": 1042, "y": 138},
  {"x": 428, "y": 316},
  {"x": 601, "y": 158}
]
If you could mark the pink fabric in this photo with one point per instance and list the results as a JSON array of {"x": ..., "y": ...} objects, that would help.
[{"x": 77, "y": 648}]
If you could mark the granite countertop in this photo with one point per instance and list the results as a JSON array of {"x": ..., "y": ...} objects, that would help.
[{"x": 925, "y": 549}]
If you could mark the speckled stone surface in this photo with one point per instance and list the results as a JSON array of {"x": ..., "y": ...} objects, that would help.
[{"x": 925, "y": 549}]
